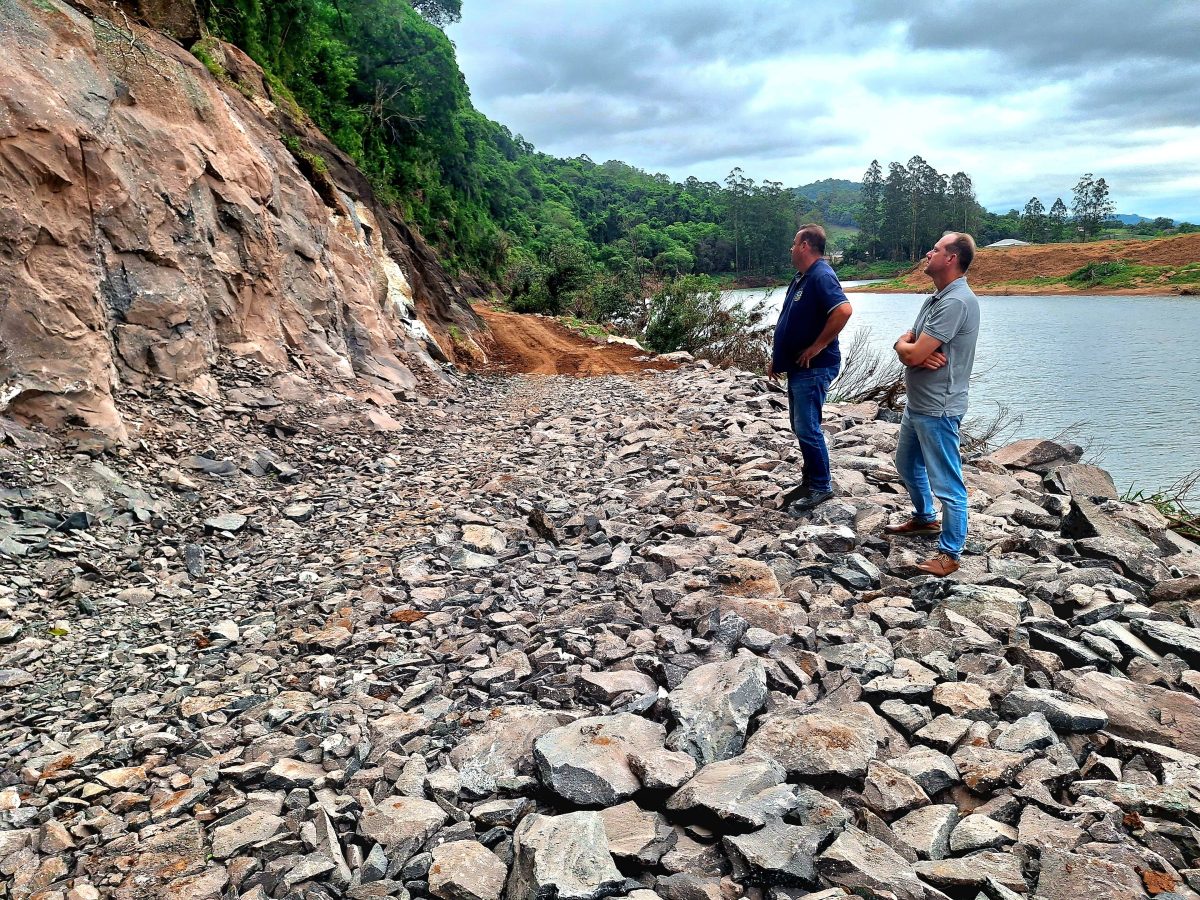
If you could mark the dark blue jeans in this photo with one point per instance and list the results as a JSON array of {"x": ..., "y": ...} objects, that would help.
[{"x": 806, "y": 395}]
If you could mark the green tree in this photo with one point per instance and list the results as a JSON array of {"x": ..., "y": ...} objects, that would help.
[
  {"x": 1033, "y": 220},
  {"x": 1057, "y": 221},
  {"x": 871, "y": 199}
]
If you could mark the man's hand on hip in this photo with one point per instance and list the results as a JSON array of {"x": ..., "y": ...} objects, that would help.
[{"x": 807, "y": 356}]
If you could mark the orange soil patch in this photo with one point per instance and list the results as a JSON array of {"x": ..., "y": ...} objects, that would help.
[
  {"x": 535, "y": 345},
  {"x": 993, "y": 271}
]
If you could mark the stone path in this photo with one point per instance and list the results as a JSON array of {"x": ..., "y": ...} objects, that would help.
[{"x": 553, "y": 639}]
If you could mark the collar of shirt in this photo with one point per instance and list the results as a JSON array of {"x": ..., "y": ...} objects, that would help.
[{"x": 938, "y": 295}]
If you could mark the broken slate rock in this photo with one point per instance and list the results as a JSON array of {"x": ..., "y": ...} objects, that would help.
[
  {"x": 562, "y": 858},
  {"x": 745, "y": 791},
  {"x": 713, "y": 705},
  {"x": 466, "y": 870},
  {"x": 587, "y": 761}
]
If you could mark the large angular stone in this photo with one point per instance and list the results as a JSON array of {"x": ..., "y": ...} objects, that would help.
[
  {"x": 466, "y": 870},
  {"x": 932, "y": 770},
  {"x": 863, "y": 865},
  {"x": 747, "y": 790},
  {"x": 713, "y": 706},
  {"x": 927, "y": 830},
  {"x": 502, "y": 747},
  {"x": 1070, "y": 876},
  {"x": 1079, "y": 479},
  {"x": 587, "y": 761},
  {"x": 978, "y": 832},
  {"x": 254, "y": 828},
  {"x": 1063, "y": 712},
  {"x": 974, "y": 871},
  {"x": 401, "y": 824},
  {"x": 1170, "y": 637},
  {"x": 983, "y": 769},
  {"x": 1044, "y": 832},
  {"x": 890, "y": 792},
  {"x": 778, "y": 854},
  {"x": 1143, "y": 712},
  {"x": 833, "y": 742},
  {"x": 1035, "y": 454},
  {"x": 562, "y": 858},
  {"x": 637, "y": 834}
]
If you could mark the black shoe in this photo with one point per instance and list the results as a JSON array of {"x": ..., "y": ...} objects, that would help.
[
  {"x": 811, "y": 500},
  {"x": 794, "y": 494}
]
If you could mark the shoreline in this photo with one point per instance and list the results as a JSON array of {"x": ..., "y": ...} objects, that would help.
[{"x": 1046, "y": 290}]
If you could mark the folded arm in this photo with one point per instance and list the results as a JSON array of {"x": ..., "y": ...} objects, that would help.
[{"x": 920, "y": 353}]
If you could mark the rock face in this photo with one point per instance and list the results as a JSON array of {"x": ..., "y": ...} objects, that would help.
[{"x": 152, "y": 219}]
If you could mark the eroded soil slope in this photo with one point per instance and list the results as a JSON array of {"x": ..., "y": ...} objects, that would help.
[
  {"x": 1013, "y": 270},
  {"x": 536, "y": 345}
]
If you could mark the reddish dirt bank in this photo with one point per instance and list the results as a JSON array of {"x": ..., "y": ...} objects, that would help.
[
  {"x": 995, "y": 271},
  {"x": 536, "y": 345}
]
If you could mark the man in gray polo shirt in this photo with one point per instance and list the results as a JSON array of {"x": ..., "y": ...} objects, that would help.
[{"x": 938, "y": 354}]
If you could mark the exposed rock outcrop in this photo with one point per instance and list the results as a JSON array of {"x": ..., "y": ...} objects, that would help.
[{"x": 151, "y": 218}]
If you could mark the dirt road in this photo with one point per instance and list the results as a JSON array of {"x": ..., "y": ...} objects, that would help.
[
  {"x": 1014, "y": 270},
  {"x": 536, "y": 345}
]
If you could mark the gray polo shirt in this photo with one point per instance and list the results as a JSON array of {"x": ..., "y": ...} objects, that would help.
[{"x": 952, "y": 316}]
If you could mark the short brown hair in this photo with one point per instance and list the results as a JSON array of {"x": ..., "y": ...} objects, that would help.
[
  {"x": 813, "y": 235},
  {"x": 963, "y": 246}
]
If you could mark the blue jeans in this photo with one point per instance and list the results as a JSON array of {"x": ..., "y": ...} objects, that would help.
[
  {"x": 927, "y": 456},
  {"x": 806, "y": 394}
]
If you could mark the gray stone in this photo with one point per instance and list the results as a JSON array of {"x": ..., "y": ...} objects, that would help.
[
  {"x": 933, "y": 771},
  {"x": 502, "y": 746},
  {"x": 927, "y": 830},
  {"x": 1044, "y": 832},
  {"x": 587, "y": 761},
  {"x": 1063, "y": 712},
  {"x": 255, "y": 828},
  {"x": 863, "y": 864},
  {"x": 747, "y": 790},
  {"x": 837, "y": 741},
  {"x": 562, "y": 858},
  {"x": 231, "y": 522},
  {"x": 637, "y": 834},
  {"x": 1170, "y": 637},
  {"x": 401, "y": 824},
  {"x": 466, "y": 870},
  {"x": 1070, "y": 876},
  {"x": 976, "y": 832},
  {"x": 778, "y": 854},
  {"x": 975, "y": 871},
  {"x": 1031, "y": 732},
  {"x": 890, "y": 792},
  {"x": 713, "y": 706}
]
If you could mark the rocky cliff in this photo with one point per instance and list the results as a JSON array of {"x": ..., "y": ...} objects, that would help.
[{"x": 152, "y": 219}]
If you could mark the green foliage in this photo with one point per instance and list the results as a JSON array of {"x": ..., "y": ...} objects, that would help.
[
  {"x": 1096, "y": 273},
  {"x": 689, "y": 314}
]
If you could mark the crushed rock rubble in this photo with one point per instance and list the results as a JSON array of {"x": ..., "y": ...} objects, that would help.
[{"x": 553, "y": 638}]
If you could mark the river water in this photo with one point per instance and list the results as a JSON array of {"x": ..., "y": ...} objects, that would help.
[{"x": 1121, "y": 373}]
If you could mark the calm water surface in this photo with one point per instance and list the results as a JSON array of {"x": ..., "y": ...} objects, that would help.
[{"x": 1127, "y": 368}]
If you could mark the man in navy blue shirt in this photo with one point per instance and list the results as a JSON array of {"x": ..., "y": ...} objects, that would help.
[{"x": 814, "y": 312}]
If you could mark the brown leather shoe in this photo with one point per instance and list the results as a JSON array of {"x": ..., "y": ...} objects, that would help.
[
  {"x": 941, "y": 565},
  {"x": 914, "y": 526}
]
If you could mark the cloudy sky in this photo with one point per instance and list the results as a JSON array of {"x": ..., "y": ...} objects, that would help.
[{"x": 1023, "y": 95}]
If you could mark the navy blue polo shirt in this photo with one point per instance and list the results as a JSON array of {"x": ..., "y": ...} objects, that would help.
[{"x": 811, "y": 297}]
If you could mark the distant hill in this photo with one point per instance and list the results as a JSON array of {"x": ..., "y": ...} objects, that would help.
[
  {"x": 826, "y": 187},
  {"x": 835, "y": 198},
  {"x": 1129, "y": 219}
]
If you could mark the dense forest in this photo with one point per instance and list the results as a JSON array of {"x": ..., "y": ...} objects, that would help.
[{"x": 380, "y": 78}]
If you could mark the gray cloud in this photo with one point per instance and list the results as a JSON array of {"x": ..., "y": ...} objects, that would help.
[{"x": 1022, "y": 94}]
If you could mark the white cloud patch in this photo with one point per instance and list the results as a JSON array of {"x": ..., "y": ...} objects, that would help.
[{"x": 1023, "y": 95}]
